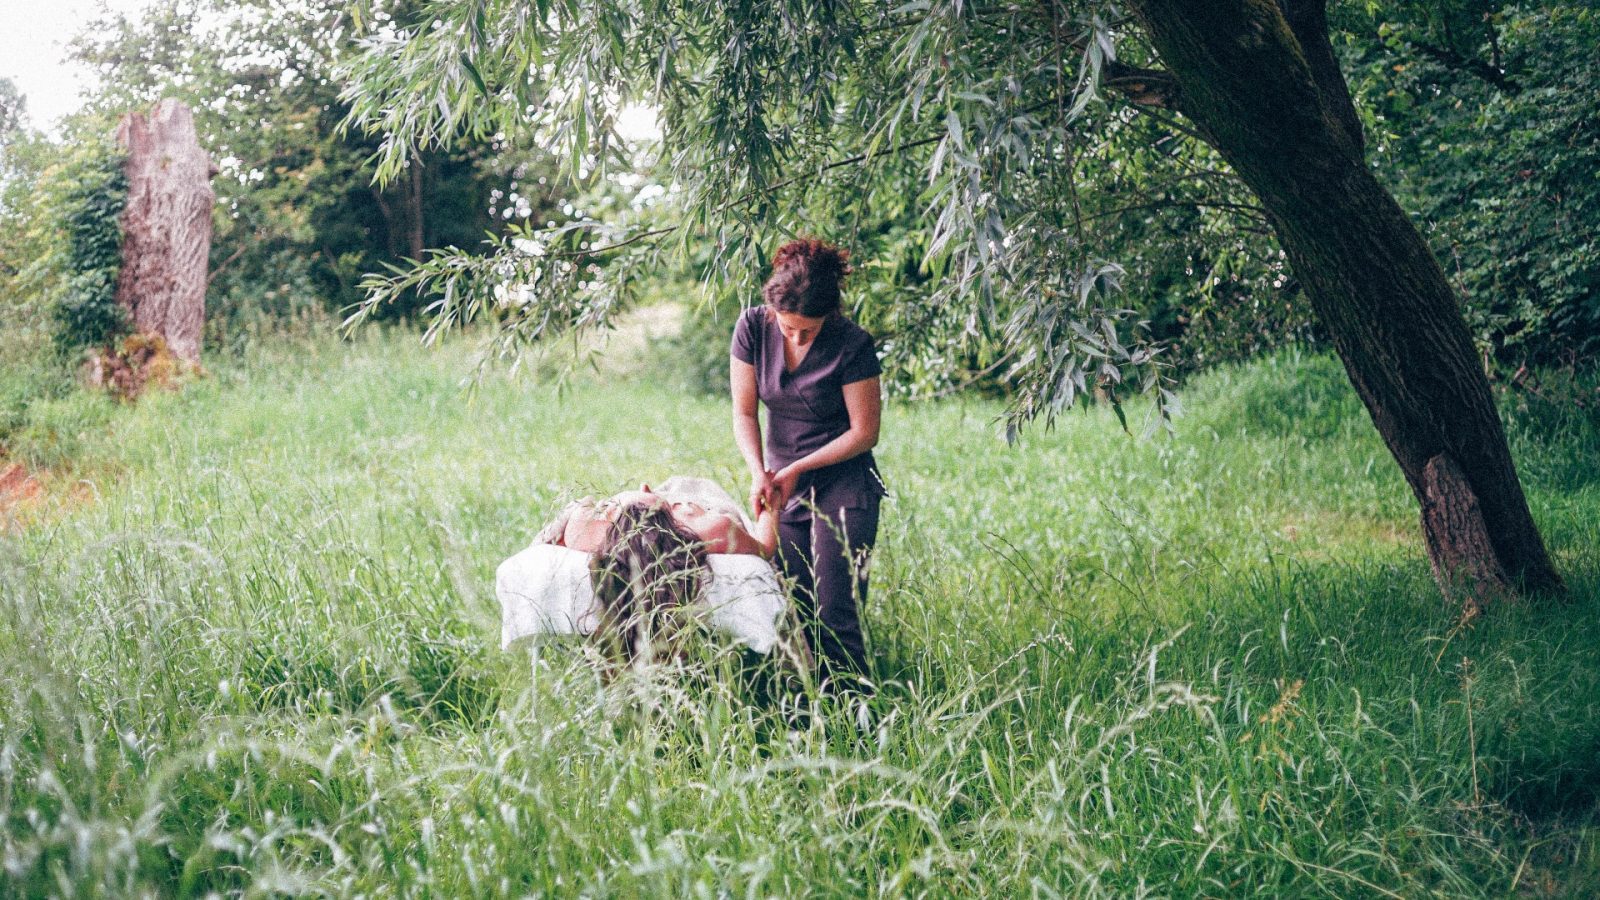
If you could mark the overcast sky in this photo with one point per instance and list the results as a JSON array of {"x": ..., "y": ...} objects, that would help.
[{"x": 33, "y": 39}]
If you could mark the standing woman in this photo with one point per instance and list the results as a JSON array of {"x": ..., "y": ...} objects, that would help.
[{"x": 817, "y": 373}]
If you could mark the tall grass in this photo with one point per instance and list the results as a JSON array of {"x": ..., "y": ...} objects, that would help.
[{"x": 262, "y": 658}]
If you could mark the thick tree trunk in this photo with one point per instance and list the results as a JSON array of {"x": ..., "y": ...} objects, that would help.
[
  {"x": 1279, "y": 112},
  {"x": 166, "y": 226}
]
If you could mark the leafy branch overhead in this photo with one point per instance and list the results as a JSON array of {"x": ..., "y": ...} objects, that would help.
[{"x": 776, "y": 118}]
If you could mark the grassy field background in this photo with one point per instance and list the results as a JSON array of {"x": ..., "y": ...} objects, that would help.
[{"x": 249, "y": 643}]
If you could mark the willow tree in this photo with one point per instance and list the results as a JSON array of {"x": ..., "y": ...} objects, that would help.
[{"x": 766, "y": 106}]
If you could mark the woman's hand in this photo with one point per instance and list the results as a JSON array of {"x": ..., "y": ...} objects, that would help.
[
  {"x": 766, "y": 533},
  {"x": 783, "y": 484}
]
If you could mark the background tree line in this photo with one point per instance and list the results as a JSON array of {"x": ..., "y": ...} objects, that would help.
[
  {"x": 299, "y": 219},
  {"x": 1485, "y": 115}
]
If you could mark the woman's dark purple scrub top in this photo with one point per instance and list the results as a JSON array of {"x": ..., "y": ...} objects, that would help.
[{"x": 805, "y": 408}]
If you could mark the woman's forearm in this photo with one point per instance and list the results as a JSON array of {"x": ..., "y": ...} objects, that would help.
[
  {"x": 864, "y": 403},
  {"x": 747, "y": 435},
  {"x": 746, "y": 415},
  {"x": 849, "y": 445}
]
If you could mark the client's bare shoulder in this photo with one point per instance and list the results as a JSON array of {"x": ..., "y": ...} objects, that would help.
[{"x": 581, "y": 525}]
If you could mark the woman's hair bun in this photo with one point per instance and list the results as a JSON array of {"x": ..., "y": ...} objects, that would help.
[{"x": 805, "y": 278}]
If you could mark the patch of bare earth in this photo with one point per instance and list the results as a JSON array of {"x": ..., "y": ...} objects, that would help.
[{"x": 19, "y": 491}]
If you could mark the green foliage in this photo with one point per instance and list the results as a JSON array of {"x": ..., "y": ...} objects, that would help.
[
  {"x": 30, "y": 238},
  {"x": 13, "y": 112},
  {"x": 55, "y": 428},
  {"x": 32, "y": 368},
  {"x": 29, "y": 374},
  {"x": 94, "y": 192},
  {"x": 1486, "y": 119},
  {"x": 1554, "y": 425},
  {"x": 264, "y": 659},
  {"x": 821, "y": 119},
  {"x": 698, "y": 353},
  {"x": 982, "y": 188}
]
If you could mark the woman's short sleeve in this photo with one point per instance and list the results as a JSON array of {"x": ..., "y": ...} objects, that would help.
[
  {"x": 860, "y": 360},
  {"x": 744, "y": 336}
]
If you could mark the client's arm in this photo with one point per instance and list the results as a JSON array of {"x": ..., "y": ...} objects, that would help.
[
  {"x": 767, "y": 531},
  {"x": 724, "y": 534}
]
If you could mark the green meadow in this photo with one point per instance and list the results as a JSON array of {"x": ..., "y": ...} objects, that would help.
[{"x": 249, "y": 643}]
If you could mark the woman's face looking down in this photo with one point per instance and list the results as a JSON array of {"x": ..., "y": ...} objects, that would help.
[{"x": 797, "y": 329}]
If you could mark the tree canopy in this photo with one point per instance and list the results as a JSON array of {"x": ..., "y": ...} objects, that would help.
[
  {"x": 990, "y": 159},
  {"x": 835, "y": 118}
]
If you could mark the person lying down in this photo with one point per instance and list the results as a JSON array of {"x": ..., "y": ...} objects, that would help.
[
  {"x": 689, "y": 510},
  {"x": 634, "y": 570}
]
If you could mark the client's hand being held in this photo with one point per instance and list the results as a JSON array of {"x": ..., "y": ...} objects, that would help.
[{"x": 761, "y": 494}]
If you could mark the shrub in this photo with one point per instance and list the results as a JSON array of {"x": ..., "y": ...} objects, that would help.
[
  {"x": 95, "y": 192},
  {"x": 57, "y": 429},
  {"x": 59, "y": 237},
  {"x": 698, "y": 355},
  {"x": 1289, "y": 392},
  {"x": 1501, "y": 176}
]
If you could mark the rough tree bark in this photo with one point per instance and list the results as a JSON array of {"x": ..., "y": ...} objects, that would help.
[
  {"x": 166, "y": 226},
  {"x": 1261, "y": 82}
]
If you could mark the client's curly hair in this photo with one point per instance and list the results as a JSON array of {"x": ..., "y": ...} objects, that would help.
[{"x": 647, "y": 570}]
